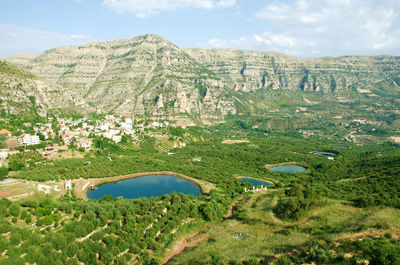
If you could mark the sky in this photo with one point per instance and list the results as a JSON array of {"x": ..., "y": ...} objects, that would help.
[{"x": 301, "y": 28}]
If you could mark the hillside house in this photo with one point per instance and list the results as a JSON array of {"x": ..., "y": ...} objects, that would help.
[
  {"x": 27, "y": 139},
  {"x": 3, "y": 155},
  {"x": 85, "y": 143},
  {"x": 5, "y": 132},
  {"x": 67, "y": 138},
  {"x": 128, "y": 120}
]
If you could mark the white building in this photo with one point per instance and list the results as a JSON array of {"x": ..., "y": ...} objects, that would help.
[
  {"x": 130, "y": 132},
  {"x": 3, "y": 155},
  {"x": 117, "y": 138},
  {"x": 128, "y": 120},
  {"x": 126, "y": 126},
  {"x": 28, "y": 139},
  {"x": 110, "y": 133},
  {"x": 105, "y": 126},
  {"x": 68, "y": 185}
]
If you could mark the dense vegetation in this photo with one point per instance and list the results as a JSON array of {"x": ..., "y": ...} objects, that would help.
[
  {"x": 122, "y": 231},
  {"x": 142, "y": 226}
]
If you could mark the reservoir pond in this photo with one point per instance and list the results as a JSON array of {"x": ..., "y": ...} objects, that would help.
[
  {"x": 325, "y": 153},
  {"x": 145, "y": 186},
  {"x": 256, "y": 182},
  {"x": 288, "y": 168}
]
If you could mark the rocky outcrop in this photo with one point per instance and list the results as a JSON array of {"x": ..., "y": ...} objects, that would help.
[
  {"x": 146, "y": 76},
  {"x": 23, "y": 93},
  {"x": 149, "y": 77},
  {"x": 251, "y": 70}
]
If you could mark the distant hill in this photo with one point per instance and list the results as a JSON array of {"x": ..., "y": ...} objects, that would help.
[{"x": 149, "y": 77}]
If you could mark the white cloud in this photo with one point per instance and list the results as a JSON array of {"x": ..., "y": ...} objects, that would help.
[
  {"x": 326, "y": 27},
  {"x": 14, "y": 39},
  {"x": 144, "y": 8},
  {"x": 266, "y": 41}
]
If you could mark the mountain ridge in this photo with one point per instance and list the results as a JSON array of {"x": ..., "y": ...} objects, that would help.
[{"x": 149, "y": 77}]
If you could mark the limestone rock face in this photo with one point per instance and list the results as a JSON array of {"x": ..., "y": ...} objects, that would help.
[
  {"x": 149, "y": 77},
  {"x": 146, "y": 76},
  {"x": 23, "y": 93},
  {"x": 252, "y": 70}
]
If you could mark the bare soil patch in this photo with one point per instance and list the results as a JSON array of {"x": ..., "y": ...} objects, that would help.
[
  {"x": 281, "y": 164},
  {"x": 235, "y": 141}
]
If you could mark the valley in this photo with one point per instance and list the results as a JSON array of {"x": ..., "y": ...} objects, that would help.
[{"x": 321, "y": 134}]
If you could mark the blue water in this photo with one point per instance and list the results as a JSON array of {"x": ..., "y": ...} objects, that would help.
[
  {"x": 145, "y": 186},
  {"x": 256, "y": 182},
  {"x": 288, "y": 168},
  {"x": 325, "y": 153}
]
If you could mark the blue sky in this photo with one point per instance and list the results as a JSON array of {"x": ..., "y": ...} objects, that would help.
[{"x": 302, "y": 28}]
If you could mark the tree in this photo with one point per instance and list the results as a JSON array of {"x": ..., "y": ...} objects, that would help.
[
  {"x": 28, "y": 219},
  {"x": 14, "y": 210},
  {"x": 15, "y": 165},
  {"x": 72, "y": 249},
  {"x": 284, "y": 260},
  {"x": 3, "y": 172},
  {"x": 23, "y": 214},
  {"x": 106, "y": 257}
]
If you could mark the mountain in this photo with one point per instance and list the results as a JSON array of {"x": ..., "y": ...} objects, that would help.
[
  {"x": 21, "y": 92},
  {"x": 149, "y": 77},
  {"x": 146, "y": 76},
  {"x": 252, "y": 70}
]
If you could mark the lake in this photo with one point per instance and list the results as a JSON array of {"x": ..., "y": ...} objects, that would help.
[
  {"x": 325, "y": 153},
  {"x": 145, "y": 186},
  {"x": 288, "y": 168},
  {"x": 256, "y": 182}
]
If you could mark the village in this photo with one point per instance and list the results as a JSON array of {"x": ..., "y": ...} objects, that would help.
[
  {"x": 61, "y": 133},
  {"x": 55, "y": 139}
]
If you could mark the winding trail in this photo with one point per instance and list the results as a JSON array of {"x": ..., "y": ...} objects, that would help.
[
  {"x": 186, "y": 242},
  {"x": 190, "y": 241},
  {"x": 367, "y": 234}
]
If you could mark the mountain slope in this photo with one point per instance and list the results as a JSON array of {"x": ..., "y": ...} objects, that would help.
[
  {"x": 21, "y": 92},
  {"x": 146, "y": 76},
  {"x": 149, "y": 77},
  {"x": 251, "y": 70}
]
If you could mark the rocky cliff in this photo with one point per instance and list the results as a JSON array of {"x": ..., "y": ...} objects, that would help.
[
  {"x": 146, "y": 76},
  {"x": 21, "y": 92},
  {"x": 251, "y": 70},
  {"x": 149, "y": 77}
]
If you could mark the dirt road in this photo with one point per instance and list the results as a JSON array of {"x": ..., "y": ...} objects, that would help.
[{"x": 185, "y": 242}]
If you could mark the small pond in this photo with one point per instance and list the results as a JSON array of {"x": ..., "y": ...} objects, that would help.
[
  {"x": 288, "y": 168},
  {"x": 145, "y": 186},
  {"x": 256, "y": 182},
  {"x": 325, "y": 153}
]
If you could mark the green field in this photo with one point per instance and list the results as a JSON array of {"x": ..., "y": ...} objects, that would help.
[{"x": 355, "y": 193}]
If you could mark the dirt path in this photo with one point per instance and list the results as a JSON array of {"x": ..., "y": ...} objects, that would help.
[
  {"x": 230, "y": 213},
  {"x": 90, "y": 234},
  {"x": 185, "y": 242},
  {"x": 367, "y": 234}
]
